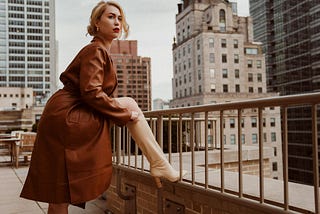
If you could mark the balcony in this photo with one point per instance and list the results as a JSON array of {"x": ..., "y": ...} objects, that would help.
[{"x": 221, "y": 178}]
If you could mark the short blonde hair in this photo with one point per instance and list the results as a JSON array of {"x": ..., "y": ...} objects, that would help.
[{"x": 97, "y": 12}]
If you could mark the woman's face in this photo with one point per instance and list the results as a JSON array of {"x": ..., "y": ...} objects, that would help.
[{"x": 110, "y": 23}]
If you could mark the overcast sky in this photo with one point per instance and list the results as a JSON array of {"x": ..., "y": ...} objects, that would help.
[{"x": 152, "y": 23}]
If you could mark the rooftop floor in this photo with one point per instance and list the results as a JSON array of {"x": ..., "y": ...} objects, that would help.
[{"x": 11, "y": 181}]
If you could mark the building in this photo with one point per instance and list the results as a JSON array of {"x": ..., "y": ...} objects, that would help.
[
  {"x": 160, "y": 104},
  {"x": 16, "y": 98},
  {"x": 290, "y": 31},
  {"x": 133, "y": 72},
  {"x": 215, "y": 60},
  {"x": 28, "y": 45}
]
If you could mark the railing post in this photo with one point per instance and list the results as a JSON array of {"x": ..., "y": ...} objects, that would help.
[
  {"x": 285, "y": 157},
  {"x": 315, "y": 157},
  {"x": 261, "y": 168},
  {"x": 240, "y": 153},
  {"x": 221, "y": 152}
]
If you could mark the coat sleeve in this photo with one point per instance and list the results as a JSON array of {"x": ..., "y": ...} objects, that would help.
[{"x": 92, "y": 74}]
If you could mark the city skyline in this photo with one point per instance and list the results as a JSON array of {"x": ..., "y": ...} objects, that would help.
[{"x": 154, "y": 37}]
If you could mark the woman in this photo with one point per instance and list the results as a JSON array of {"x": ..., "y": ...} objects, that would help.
[{"x": 71, "y": 162}]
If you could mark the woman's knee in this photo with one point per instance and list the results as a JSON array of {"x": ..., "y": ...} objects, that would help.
[{"x": 129, "y": 103}]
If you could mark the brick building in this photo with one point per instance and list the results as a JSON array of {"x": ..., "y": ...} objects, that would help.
[{"x": 133, "y": 72}]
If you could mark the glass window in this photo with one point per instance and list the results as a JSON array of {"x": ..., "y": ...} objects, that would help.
[
  {"x": 211, "y": 56},
  {"x": 235, "y": 43},
  {"x": 253, "y": 122},
  {"x": 237, "y": 73},
  {"x": 232, "y": 139},
  {"x": 224, "y": 73},
  {"x": 236, "y": 58},
  {"x": 254, "y": 138},
  {"x": 273, "y": 137},
  {"x": 225, "y": 88},
  {"x": 223, "y": 43},
  {"x": 224, "y": 58},
  {"x": 232, "y": 123}
]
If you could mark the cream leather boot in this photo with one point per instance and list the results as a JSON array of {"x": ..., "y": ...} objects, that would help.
[{"x": 159, "y": 165}]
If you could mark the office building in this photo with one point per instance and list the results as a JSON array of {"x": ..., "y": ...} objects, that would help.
[
  {"x": 216, "y": 60},
  {"x": 133, "y": 72},
  {"x": 290, "y": 31},
  {"x": 28, "y": 46}
]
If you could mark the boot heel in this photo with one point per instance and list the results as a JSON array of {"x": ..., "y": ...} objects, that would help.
[{"x": 158, "y": 182}]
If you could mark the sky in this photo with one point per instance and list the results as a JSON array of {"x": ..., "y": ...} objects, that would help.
[{"x": 152, "y": 24}]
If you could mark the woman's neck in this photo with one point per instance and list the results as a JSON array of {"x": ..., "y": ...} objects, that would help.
[{"x": 106, "y": 43}]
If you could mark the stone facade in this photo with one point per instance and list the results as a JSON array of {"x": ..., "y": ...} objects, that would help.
[{"x": 215, "y": 60}]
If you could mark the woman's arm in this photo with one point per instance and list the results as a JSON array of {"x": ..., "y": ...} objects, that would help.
[{"x": 92, "y": 77}]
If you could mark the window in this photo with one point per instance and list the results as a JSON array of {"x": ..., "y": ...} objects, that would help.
[
  {"x": 264, "y": 137},
  {"x": 225, "y": 88},
  {"x": 237, "y": 88},
  {"x": 198, "y": 44},
  {"x": 254, "y": 138},
  {"x": 275, "y": 151},
  {"x": 249, "y": 63},
  {"x": 222, "y": 20},
  {"x": 259, "y": 90},
  {"x": 213, "y": 87},
  {"x": 199, "y": 59},
  {"x": 242, "y": 123},
  {"x": 235, "y": 43},
  {"x": 259, "y": 77},
  {"x": 252, "y": 51},
  {"x": 273, "y": 137},
  {"x": 237, "y": 73},
  {"x": 253, "y": 122},
  {"x": 211, "y": 73},
  {"x": 274, "y": 166},
  {"x": 223, "y": 43},
  {"x": 243, "y": 139},
  {"x": 232, "y": 123},
  {"x": 199, "y": 74},
  {"x": 211, "y": 43},
  {"x": 224, "y": 58},
  {"x": 259, "y": 64},
  {"x": 250, "y": 89},
  {"x": 250, "y": 77},
  {"x": 224, "y": 73},
  {"x": 272, "y": 122},
  {"x": 236, "y": 58},
  {"x": 232, "y": 139},
  {"x": 200, "y": 88},
  {"x": 211, "y": 57}
]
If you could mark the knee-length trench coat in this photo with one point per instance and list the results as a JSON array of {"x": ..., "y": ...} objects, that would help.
[{"x": 71, "y": 160}]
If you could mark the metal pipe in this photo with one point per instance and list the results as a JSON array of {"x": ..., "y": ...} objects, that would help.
[{"x": 221, "y": 152}]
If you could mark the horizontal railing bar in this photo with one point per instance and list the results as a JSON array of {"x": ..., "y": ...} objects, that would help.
[{"x": 292, "y": 100}]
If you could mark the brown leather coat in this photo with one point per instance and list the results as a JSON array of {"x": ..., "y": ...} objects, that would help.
[{"x": 71, "y": 161}]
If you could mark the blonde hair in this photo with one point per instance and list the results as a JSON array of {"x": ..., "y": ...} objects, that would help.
[{"x": 97, "y": 12}]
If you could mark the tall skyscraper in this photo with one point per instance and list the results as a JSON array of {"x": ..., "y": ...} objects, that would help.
[
  {"x": 215, "y": 60},
  {"x": 28, "y": 45},
  {"x": 290, "y": 31},
  {"x": 133, "y": 72}
]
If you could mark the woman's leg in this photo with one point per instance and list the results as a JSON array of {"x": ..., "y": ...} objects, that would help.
[
  {"x": 144, "y": 138},
  {"x": 58, "y": 208}
]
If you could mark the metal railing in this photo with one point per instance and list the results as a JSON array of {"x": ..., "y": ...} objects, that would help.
[{"x": 178, "y": 133}]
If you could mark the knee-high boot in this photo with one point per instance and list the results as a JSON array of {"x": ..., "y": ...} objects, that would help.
[{"x": 159, "y": 165}]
